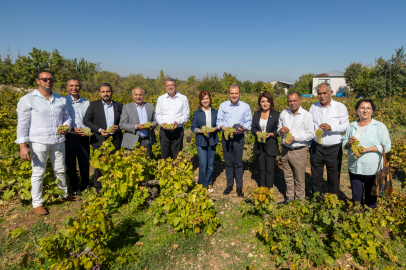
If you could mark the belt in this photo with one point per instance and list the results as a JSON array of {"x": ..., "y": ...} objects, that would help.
[
  {"x": 327, "y": 146},
  {"x": 293, "y": 148}
]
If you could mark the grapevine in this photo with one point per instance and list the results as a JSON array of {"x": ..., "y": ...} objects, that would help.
[
  {"x": 288, "y": 136},
  {"x": 319, "y": 134},
  {"x": 148, "y": 125},
  {"x": 86, "y": 131},
  {"x": 229, "y": 132},
  {"x": 168, "y": 126},
  {"x": 356, "y": 149},
  {"x": 206, "y": 129},
  {"x": 110, "y": 129},
  {"x": 261, "y": 137},
  {"x": 62, "y": 128}
]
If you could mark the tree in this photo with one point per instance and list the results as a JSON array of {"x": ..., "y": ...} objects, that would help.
[
  {"x": 211, "y": 83},
  {"x": 247, "y": 86},
  {"x": 191, "y": 80},
  {"x": 351, "y": 74},
  {"x": 228, "y": 80},
  {"x": 304, "y": 84},
  {"x": 279, "y": 89},
  {"x": 160, "y": 81}
]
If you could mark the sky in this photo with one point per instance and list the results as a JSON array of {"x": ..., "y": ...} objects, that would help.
[{"x": 254, "y": 40}]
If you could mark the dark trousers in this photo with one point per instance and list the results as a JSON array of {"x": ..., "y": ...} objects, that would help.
[
  {"x": 332, "y": 158},
  {"x": 233, "y": 149},
  {"x": 266, "y": 168},
  {"x": 360, "y": 182},
  {"x": 206, "y": 157},
  {"x": 170, "y": 139},
  {"x": 77, "y": 147}
]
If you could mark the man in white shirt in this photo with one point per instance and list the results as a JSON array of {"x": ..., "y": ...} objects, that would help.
[
  {"x": 298, "y": 123},
  {"x": 40, "y": 113},
  {"x": 77, "y": 143},
  {"x": 171, "y": 107},
  {"x": 332, "y": 117}
]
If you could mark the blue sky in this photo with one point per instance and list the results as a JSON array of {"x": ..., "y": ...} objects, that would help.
[{"x": 255, "y": 40}]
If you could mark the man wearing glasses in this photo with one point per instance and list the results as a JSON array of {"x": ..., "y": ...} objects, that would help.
[
  {"x": 171, "y": 108},
  {"x": 40, "y": 113}
]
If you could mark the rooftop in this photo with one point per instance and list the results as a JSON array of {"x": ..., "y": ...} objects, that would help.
[{"x": 334, "y": 73}]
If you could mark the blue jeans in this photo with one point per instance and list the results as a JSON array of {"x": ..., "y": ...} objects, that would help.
[{"x": 206, "y": 157}]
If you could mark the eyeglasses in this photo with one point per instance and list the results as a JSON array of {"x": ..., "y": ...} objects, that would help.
[{"x": 47, "y": 79}]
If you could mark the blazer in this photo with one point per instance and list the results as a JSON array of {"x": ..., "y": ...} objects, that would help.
[
  {"x": 272, "y": 148},
  {"x": 95, "y": 119},
  {"x": 129, "y": 119},
  {"x": 198, "y": 121}
]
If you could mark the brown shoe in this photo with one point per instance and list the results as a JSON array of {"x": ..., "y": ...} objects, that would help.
[
  {"x": 40, "y": 211},
  {"x": 72, "y": 198}
]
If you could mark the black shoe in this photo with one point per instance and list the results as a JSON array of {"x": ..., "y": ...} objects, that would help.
[
  {"x": 239, "y": 192},
  {"x": 78, "y": 193},
  {"x": 285, "y": 202},
  {"x": 228, "y": 190}
]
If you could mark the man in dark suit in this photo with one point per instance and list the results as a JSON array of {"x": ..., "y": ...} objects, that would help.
[
  {"x": 100, "y": 116},
  {"x": 134, "y": 115}
]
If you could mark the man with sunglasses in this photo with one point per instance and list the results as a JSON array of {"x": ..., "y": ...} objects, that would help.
[{"x": 40, "y": 113}]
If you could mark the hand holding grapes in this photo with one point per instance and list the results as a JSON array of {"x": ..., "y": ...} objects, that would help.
[
  {"x": 325, "y": 126},
  {"x": 350, "y": 142},
  {"x": 79, "y": 132},
  {"x": 284, "y": 129}
]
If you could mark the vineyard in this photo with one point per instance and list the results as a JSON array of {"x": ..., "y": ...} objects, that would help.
[{"x": 153, "y": 215}]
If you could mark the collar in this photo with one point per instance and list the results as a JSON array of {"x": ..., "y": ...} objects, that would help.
[
  {"x": 74, "y": 100},
  {"x": 136, "y": 105},
  {"x": 329, "y": 105},
  {"x": 38, "y": 94},
  {"x": 175, "y": 96},
  {"x": 238, "y": 103},
  {"x": 300, "y": 111},
  {"x": 201, "y": 109},
  {"x": 104, "y": 103},
  {"x": 373, "y": 122}
]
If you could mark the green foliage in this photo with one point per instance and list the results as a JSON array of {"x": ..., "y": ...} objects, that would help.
[
  {"x": 211, "y": 83},
  {"x": 351, "y": 74},
  {"x": 279, "y": 89},
  {"x": 304, "y": 84},
  {"x": 247, "y": 86},
  {"x": 258, "y": 201},
  {"x": 181, "y": 204},
  {"x": 228, "y": 80}
]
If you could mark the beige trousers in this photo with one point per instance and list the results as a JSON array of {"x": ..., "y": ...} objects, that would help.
[{"x": 294, "y": 168}]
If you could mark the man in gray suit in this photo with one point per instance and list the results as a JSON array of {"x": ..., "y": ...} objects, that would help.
[{"x": 134, "y": 115}]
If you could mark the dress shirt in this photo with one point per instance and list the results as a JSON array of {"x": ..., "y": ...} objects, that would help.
[
  {"x": 208, "y": 118},
  {"x": 375, "y": 134},
  {"x": 142, "y": 116},
  {"x": 172, "y": 109},
  {"x": 230, "y": 114},
  {"x": 77, "y": 110},
  {"x": 109, "y": 114},
  {"x": 300, "y": 125},
  {"x": 39, "y": 118},
  {"x": 336, "y": 115}
]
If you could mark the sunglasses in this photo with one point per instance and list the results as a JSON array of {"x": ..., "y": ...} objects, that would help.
[{"x": 47, "y": 79}]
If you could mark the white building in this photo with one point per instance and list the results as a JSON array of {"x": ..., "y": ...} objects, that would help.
[
  {"x": 334, "y": 78},
  {"x": 286, "y": 85}
]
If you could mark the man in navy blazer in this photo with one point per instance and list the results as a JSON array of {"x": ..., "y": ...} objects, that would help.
[{"x": 100, "y": 116}]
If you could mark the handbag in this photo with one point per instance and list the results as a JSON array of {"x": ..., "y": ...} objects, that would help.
[{"x": 383, "y": 179}]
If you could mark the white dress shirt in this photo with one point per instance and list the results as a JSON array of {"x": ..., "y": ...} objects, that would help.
[
  {"x": 39, "y": 118},
  {"x": 336, "y": 115},
  {"x": 208, "y": 118},
  {"x": 172, "y": 109},
  {"x": 77, "y": 110},
  {"x": 300, "y": 126}
]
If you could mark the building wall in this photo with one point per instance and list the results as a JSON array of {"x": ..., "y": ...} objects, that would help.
[{"x": 338, "y": 84}]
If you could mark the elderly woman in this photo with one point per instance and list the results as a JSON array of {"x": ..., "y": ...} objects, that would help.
[
  {"x": 374, "y": 137},
  {"x": 206, "y": 145},
  {"x": 266, "y": 120}
]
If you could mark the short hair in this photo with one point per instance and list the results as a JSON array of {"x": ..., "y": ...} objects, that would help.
[
  {"x": 105, "y": 84},
  {"x": 366, "y": 100},
  {"x": 234, "y": 85},
  {"x": 170, "y": 80},
  {"x": 44, "y": 71},
  {"x": 202, "y": 95},
  {"x": 73, "y": 79},
  {"x": 269, "y": 97},
  {"x": 326, "y": 84},
  {"x": 143, "y": 92},
  {"x": 294, "y": 92}
]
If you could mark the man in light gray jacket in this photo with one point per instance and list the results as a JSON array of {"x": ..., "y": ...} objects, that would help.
[{"x": 134, "y": 115}]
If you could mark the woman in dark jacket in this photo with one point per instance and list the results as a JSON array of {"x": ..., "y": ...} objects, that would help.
[
  {"x": 206, "y": 145},
  {"x": 266, "y": 120}
]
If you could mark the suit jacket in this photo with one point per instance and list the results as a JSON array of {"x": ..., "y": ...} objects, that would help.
[
  {"x": 95, "y": 119},
  {"x": 198, "y": 121},
  {"x": 271, "y": 145},
  {"x": 129, "y": 119}
]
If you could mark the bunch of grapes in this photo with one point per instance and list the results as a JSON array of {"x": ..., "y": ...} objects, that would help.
[
  {"x": 206, "y": 129},
  {"x": 168, "y": 126},
  {"x": 148, "y": 125},
  {"x": 319, "y": 134},
  {"x": 229, "y": 131},
  {"x": 237, "y": 126},
  {"x": 356, "y": 149},
  {"x": 287, "y": 138},
  {"x": 261, "y": 137},
  {"x": 110, "y": 129},
  {"x": 87, "y": 131},
  {"x": 62, "y": 128}
]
